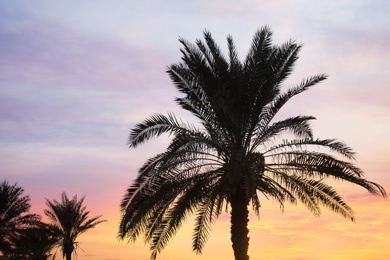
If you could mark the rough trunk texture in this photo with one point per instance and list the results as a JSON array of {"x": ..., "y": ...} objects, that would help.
[{"x": 239, "y": 227}]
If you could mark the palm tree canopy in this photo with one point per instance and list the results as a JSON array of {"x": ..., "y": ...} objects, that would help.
[
  {"x": 70, "y": 218},
  {"x": 13, "y": 214},
  {"x": 35, "y": 242},
  {"x": 237, "y": 151}
]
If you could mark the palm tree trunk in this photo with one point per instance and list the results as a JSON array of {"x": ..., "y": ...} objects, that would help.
[
  {"x": 239, "y": 226},
  {"x": 68, "y": 249}
]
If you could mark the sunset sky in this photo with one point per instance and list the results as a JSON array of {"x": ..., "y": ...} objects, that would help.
[{"x": 75, "y": 76}]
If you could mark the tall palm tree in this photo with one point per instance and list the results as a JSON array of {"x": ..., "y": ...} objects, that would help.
[
  {"x": 14, "y": 216},
  {"x": 71, "y": 219},
  {"x": 237, "y": 151}
]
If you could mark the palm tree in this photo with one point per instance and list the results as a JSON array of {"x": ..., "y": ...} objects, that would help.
[
  {"x": 13, "y": 214},
  {"x": 35, "y": 242},
  {"x": 70, "y": 219},
  {"x": 236, "y": 152}
]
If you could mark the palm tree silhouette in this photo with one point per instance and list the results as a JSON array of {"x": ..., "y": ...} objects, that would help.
[
  {"x": 13, "y": 214},
  {"x": 70, "y": 219},
  {"x": 35, "y": 242},
  {"x": 237, "y": 150}
]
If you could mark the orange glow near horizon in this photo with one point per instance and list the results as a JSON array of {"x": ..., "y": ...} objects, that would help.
[{"x": 294, "y": 234}]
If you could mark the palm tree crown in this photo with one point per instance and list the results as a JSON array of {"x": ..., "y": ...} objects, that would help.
[
  {"x": 237, "y": 152},
  {"x": 13, "y": 214},
  {"x": 35, "y": 242},
  {"x": 70, "y": 219}
]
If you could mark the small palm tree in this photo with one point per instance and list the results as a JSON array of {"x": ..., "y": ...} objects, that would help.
[
  {"x": 70, "y": 219},
  {"x": 13, "y": 214},
  {"x": 35, "y": 242},
  {"x": 237, "y": 152}
]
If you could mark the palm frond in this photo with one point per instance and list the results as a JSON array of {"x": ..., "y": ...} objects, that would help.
[
  {"x": 269, "y": 112},
  {"x": 298, "y": 125},
  {"x": 332, "y": 145},
  {"x": 154, "y": 126}
]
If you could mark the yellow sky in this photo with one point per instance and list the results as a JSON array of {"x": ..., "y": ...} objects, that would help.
[{"x": 295, "y": 234}]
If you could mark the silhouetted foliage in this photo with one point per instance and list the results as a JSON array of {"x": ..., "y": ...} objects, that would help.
[
  {"x": 14, "y": 218},
  {"x": 237, "y": 152},
  {"x": 69, "y": 219},
  {"x": 35, "y": 242}
]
